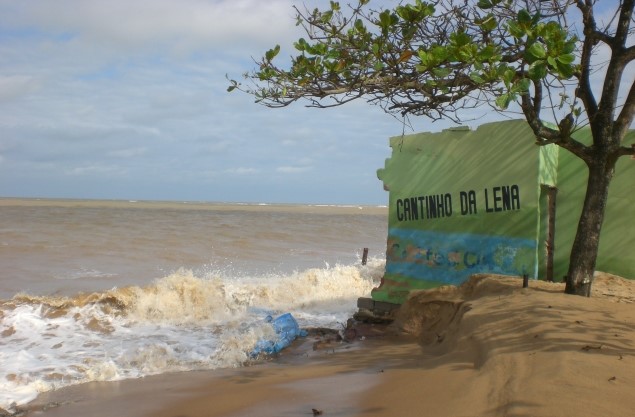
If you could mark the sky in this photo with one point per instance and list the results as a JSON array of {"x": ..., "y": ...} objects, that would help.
[{"x": 125, "y": 99}]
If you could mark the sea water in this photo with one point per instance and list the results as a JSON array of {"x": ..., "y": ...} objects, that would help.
[{"x": 110, "y": 290}]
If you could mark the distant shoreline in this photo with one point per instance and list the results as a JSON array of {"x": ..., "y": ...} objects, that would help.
[{"x": 193, "y": 205}]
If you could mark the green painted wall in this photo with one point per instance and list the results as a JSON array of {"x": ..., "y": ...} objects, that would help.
[{"x": 463, "y": 202}]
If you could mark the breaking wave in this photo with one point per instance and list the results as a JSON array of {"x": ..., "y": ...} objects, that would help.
[{"x": 184, "y": 321}]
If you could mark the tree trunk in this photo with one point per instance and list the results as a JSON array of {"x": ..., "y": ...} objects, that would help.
[{"x": 587, "y": 239}]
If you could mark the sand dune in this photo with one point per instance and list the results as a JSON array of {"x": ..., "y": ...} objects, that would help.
[{"x": 490, "y": 348}]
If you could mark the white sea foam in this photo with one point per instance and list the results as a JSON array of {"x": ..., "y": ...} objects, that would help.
[{"x": 184, "y": 321}]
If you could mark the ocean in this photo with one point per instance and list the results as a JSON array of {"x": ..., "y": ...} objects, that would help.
[{"x": 110, "y": 290}]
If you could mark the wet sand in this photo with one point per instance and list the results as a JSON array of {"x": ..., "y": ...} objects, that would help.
[
  {"x": 487, "y": 348},
  {"x": 315, "y": 372}
]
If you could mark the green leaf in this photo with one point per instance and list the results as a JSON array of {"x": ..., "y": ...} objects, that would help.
[
  {"x": 231, "y": 88},
  {"x": 439, "y": 53},
  {"x": 459, "y": 39},
  {"x": 375, "y": 49},
  {"x": 424, "y": 57},
  {"x": 332, "y": 54},
  {"x": 426, "y": 9},
  {"x": 523, "y": 85},
  {"x": 537, "y": 70},
  {"x": 408, "y": 32},
  {"x": 537, "y": 51},
  {"x": 515, "y": 30},
  {"x": 564, "y": 70},
  {"x": 489, "y": 23},
  {"x": 271, "y": 53},
  {"x": 524, "y": 17},
  {"x": 485, "y": 4},
  {"x": 406, "y": 13},
  {"x": 464, "y": 54},
  {"x": 476, "y": 77},
  {"x": 569, "y": 46},
  {"x": 385, "y": 20},
  {"x": 566, "y": 58},
  {"x": 327, "y": 16},
  {"x": 359, "y": 25},
  {"x": 300, "y": 44},
  {"x": 508, "y": 75},
  {"x": 489, "y": 53},
  {"x": 503, "y": 101},
  {"x": 441, "y": 72}
]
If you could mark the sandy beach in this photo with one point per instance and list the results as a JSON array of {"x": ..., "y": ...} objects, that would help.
[{"x": 486, "y": 348}]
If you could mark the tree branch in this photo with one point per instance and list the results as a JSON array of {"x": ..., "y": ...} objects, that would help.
[
  {"x": 584, "y": 91},
  {"x": 617, "y": 63},
  {"x": 625, "y": 119},
  {"x": 625, "y": 150},
  {"x": 546, "y": 135},
  {"x": 624, "y": 21}
]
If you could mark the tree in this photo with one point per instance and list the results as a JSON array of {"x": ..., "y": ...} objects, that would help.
[{"x": 436, "y": 58}]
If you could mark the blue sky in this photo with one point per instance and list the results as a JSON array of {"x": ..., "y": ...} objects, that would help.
[{"x": 125, "y": 99}]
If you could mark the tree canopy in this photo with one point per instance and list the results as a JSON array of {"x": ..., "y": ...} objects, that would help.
[{"x": 562, "y": 64}]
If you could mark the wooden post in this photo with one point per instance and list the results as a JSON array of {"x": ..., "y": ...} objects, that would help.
[
  {"x": 551, "y": 230},
  {"x": 365, "y": 256},
  {"x": 525, "y": 281}
]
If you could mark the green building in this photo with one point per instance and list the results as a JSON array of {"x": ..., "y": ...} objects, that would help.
[{"x": 467, "y": 201}]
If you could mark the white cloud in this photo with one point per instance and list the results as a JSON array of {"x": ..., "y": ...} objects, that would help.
[
  {"x": 128, "y": 153},
  {"x": 215, "y": 147},
  {"x": 88, "y": 170},
  {"x": 242, "y": 171},
  {"x": 183, "y": 26},
  {"x": 14, "y": 86},
  {"x": 293, "y": 169}
]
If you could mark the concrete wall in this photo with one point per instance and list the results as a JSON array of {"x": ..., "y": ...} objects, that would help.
[{"x": 469, "y": 201}]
